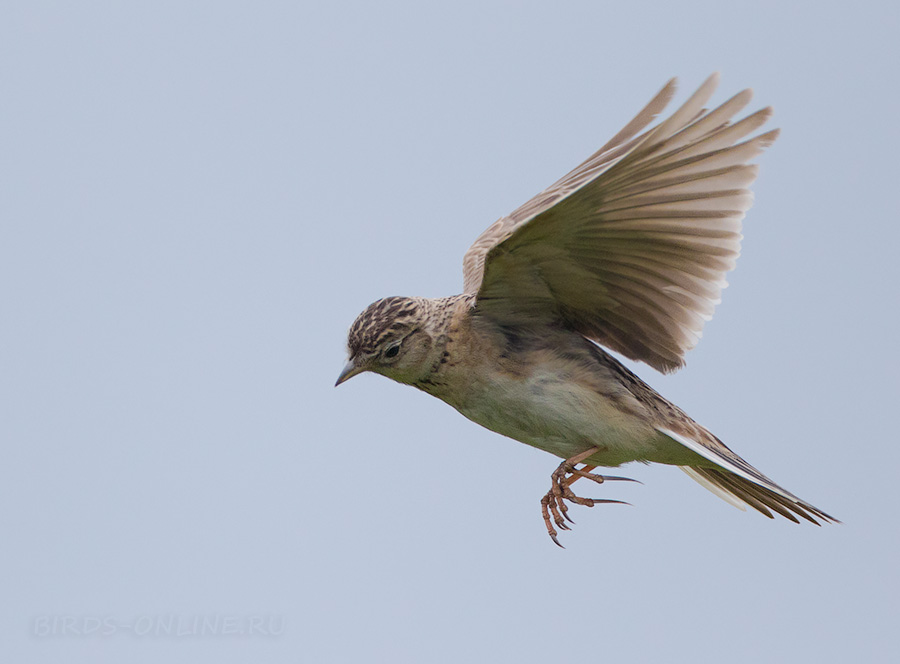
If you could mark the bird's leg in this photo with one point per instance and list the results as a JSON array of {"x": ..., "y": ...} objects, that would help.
[{"x": 553, "y": 506}]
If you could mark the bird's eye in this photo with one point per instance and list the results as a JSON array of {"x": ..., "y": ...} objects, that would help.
[{"x": 392, "y": 351}]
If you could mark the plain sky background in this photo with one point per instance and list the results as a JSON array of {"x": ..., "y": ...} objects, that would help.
[{"x": 196, "y": 200}]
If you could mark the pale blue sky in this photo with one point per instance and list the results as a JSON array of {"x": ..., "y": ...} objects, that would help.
[{"x": 196, "y": 199}]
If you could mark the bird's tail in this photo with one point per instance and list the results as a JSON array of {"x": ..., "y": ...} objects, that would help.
[
  {"x": 737, "y": 482},
  {"x": 741, "y": 492}
]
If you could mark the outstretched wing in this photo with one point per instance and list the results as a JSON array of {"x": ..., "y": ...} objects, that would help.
[{"x": 631, "y": 248}]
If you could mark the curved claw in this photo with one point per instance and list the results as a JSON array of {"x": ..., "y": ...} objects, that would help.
[
  {"x": 553, "y": 504},
  {"x": 576, "y": 473},
  {"x": 616, "y": 478}
]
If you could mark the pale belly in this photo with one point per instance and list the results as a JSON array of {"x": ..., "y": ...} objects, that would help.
[{"x": 559, "y": 416}]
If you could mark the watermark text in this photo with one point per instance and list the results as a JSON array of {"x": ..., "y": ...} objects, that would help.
[{"x": 158, "y": 626}]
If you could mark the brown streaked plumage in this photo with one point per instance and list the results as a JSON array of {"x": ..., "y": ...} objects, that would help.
[{"x": 629, "y": 251}]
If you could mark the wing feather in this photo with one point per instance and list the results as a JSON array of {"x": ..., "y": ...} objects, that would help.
[
  {"x": 630, "y": 248},
  {"x": 706, "y": 182}
]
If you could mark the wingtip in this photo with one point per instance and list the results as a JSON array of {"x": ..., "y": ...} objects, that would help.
[
  {"x": 765, "y": 140},
  {"x": 664, "y": 96},
  {"x": 708, "y": 87}
]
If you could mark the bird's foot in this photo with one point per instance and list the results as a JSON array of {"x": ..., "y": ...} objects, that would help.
[{"x": 553, "y": 505}]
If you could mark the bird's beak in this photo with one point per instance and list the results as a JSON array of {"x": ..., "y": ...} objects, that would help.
[{"x": 349, "y": 372}]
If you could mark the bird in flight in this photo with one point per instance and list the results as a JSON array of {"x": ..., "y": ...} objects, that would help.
[{"x": 627, "y": 252}]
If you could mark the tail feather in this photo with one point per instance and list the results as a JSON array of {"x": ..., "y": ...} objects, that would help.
[
  {"x": 738, "y": 480},
  {"x": 757, "y": 496},
  {"x": 727, "y": 496}
]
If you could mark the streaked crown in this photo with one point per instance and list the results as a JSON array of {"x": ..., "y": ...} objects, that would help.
[{"x": 382, "y": 322}]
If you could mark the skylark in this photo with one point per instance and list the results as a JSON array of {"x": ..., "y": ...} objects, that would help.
[{"x": 628, "y": 251}]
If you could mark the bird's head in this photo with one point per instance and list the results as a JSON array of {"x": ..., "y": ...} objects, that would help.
[{"x": 390, "y": 337}]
